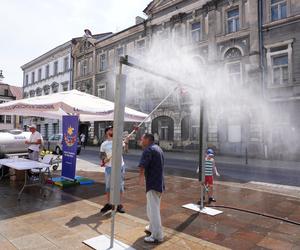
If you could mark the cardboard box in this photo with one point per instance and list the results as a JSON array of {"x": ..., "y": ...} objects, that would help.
[{"x": 17, "y": 175}]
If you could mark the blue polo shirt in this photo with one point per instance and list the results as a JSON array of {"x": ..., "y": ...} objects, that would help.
[{"x": 153, "y": 161}]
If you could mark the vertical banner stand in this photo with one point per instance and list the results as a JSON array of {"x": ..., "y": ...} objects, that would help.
[
  {"x": 104, "y": 242},
  {"x": 202, "y": 150},
  {"x": 69, "y": 146}
]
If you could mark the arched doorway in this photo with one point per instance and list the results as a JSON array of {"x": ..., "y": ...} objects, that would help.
[{"x": 164, "y": 127}]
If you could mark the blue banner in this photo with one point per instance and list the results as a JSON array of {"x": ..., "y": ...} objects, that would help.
[{"x": 69, "y": 146}]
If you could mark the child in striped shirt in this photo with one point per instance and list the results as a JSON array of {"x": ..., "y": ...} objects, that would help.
[{"x": 209, "y": 170}]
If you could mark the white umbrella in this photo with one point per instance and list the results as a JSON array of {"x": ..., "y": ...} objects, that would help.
[{"x": 88, "y": 107}]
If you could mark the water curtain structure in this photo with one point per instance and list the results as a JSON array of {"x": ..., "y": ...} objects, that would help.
[{"x": 120, "y": 97}]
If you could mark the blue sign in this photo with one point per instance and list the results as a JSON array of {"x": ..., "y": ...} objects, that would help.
[{"x": 69, "y": 146}]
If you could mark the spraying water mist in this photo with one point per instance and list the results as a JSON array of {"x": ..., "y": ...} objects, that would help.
[{"x": 238, "y": 116}]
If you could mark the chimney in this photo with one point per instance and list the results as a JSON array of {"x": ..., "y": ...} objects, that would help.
[{"x": 139, "y": 20}]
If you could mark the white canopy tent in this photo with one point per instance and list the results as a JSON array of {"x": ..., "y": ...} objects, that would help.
[{"x": 88, "y": 107}]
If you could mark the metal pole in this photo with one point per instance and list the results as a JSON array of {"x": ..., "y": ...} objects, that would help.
[
  {"x": 119, "y": 110},
  {"x": 149, "y": 115},
  {"x": 134, "y": 63},
  {"x": 201, "y": 165}
]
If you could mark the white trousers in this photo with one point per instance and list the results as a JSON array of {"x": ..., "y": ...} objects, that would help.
[{"x": 153, "y": 213}]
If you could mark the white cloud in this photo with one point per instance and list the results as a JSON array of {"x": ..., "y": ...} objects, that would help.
[{"x": 32, "y": 27}]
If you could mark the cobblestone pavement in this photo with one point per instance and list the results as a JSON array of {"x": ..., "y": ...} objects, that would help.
[{"x": 65, "y": 218}]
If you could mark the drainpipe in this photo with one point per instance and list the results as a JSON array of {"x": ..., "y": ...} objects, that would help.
[
  {"x": 261, "y": 44},
  {"x": 262, "y": 62},
  {"x": 72, "y": 67}
]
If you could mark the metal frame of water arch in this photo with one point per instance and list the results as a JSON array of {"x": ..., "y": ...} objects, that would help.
[
  {"x": 120, "y": 96},
  {"x": 137, "y": 64}
]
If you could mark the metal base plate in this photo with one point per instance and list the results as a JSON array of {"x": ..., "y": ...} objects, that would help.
[
  {"x": 102, "y": 242},
  {"x": 205, "y": 210}
]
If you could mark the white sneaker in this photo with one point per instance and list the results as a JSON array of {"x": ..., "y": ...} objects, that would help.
[{"x": 150, "y": 239}]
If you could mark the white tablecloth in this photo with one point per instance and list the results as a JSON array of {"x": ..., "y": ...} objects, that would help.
[{"x": 22, "y": 164}]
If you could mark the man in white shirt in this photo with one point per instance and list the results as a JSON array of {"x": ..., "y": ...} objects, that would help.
[
  {"x": 106, "y": 158},
  {"x": 34, "y": 143}
]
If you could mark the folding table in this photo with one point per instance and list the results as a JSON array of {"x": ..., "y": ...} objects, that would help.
[{"x": 25, "y": 164}]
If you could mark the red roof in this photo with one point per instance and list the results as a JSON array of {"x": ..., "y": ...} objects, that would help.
[{"x": 16, "y": 92}]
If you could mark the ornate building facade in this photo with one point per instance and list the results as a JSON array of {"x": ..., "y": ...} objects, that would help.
[
  {"x": 242, "y": 36},
  {"x": 49, "y": 73}
]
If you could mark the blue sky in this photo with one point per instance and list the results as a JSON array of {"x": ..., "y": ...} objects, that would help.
[{"x": 30, "y": 28}]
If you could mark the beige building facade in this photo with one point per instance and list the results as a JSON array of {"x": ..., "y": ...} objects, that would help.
[{"x": 238, "y": 35}]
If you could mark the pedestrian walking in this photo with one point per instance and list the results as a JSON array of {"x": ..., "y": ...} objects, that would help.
[
  {"x": 209, "y": 170},
  {"x": 106, "y": 161},
  {"x": 152, "y": 171},
  {"x": 82, "y": 139}
]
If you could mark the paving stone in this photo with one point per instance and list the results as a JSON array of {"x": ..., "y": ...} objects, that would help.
[
  {"x": 14, "y": 230},
  {"x": 67, "y": 217},
  {"x": 32, "y": 241},
  {"x": 271, "y": 243},
  {"x": 7, "y": 245}
]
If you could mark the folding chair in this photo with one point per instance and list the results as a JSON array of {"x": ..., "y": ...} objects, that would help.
[{"x": 48, "y": 159}]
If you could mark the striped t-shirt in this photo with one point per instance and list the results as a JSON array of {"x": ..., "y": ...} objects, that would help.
[{"x": 208, "y": 166}]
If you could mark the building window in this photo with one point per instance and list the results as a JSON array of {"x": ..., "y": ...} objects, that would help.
[
  {"x": 66, "y": 63},
  {"x": 162, "y": 35},
  {"x": 6, "y": 92},
  {"x": 65, "y": 86},
  {"x": 233, "y": 65},
  {"x": 232, "y": 53},
  {"x": 46, "y": 89},
  {"x": 39, "y": 74},
  {"x": 38, "y": 127},
  {"x": 90, "y": 66},
  {"x": 2, "y": 118},
  {"x": 55, "y": 128},
  {"x": 178, "y": 34},
  {"x": 140, "y": 47},
  {"x": 103, "y": 62},
  {"x": 279, "y": 60},
  {"x": 234, "y": 133},
  {"x": 32, "y": 77},
  {"x": 38, "y": 91},
  {"x": 32, "y": 93},
  {"x": 234, "y": 72},
  {"x": 196, "y": 32},
  {"x": 280, "y": 68},
  {"x": 54, "y": 87},
  {"x": 46, "y": 131},
  {"x": 102, "y": 91},
  {"x": 26, "y": 80},
  {"x": 233, "y": 20},
  {"x": 83, "y": 67},
  {"x": 55, "y": 68},
  {"x": 47, "y": 71},
  {"x": 278, "y": 9},
  {"x": 8, "y": 119},
  {"x": 120, "y": 51}
]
